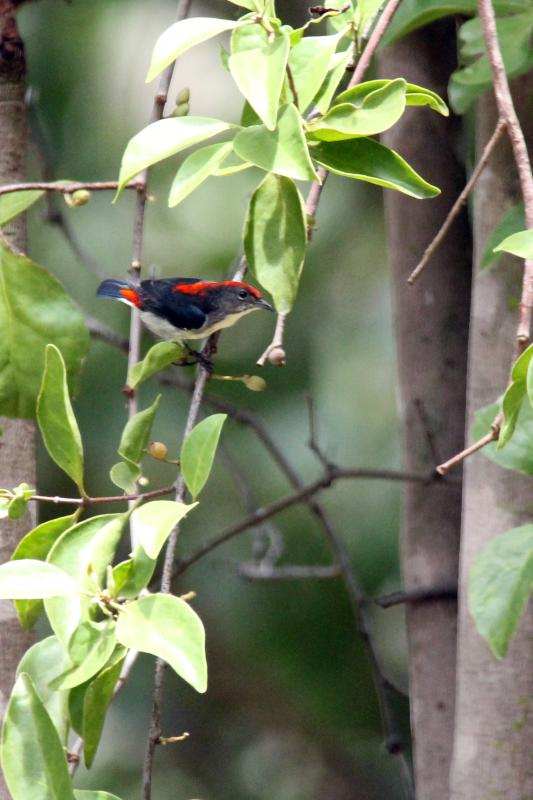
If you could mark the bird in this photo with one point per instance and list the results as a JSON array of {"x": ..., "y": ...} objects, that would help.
[{"x": 178, "y": 309}]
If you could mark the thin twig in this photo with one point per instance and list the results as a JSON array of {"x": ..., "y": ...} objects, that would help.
[
  {"x": 455, "y": 210},
  {"x": 275, "y": 352},
  {"x": 492, "y": 436},
  {"x": 264, "y": 572},
  {"x": 420, "y": 595},
  {"x": 67, "y": 187},
  {"x": 377, "y": 35},
  {"x": 87, "y": 501},
  {"x": 325, "y": 481},
  {"x": 508, "y": 114}
]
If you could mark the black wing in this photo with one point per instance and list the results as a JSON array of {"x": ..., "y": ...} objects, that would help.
[{"x": 182, "y": 310}]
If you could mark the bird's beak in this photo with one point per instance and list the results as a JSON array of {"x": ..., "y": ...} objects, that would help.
[{"x": 263, "y": 304}]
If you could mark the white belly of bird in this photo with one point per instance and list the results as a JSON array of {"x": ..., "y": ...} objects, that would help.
[{"x": 165, "y": 330}]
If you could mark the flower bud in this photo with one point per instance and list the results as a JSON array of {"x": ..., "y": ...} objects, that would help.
[
  {"x": 78, "y": 198},
  {"x": 183, "y": 96},
  {"x": 158, "y": 450},
  {"x": 255, "y": 383},
  {"x": 277, "y": 356}
]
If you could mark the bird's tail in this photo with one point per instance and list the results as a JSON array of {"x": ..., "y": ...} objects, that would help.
[
  {"x": 119, "y": 290},
  {"x": 112, "y": 288}
]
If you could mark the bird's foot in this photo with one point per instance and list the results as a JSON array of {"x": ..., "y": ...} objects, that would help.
[{"x": 195, "y": 357}]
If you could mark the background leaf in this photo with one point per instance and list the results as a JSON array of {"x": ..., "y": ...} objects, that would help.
[
  {"x": 259, "y": 73},
  {"x": 83, "y": 552},
  {"x": 275, "y": 238},
  {"x": 518, "y": 453},
  {"x": 183, "y": 35},
  {"x": 28, "y": 578},
  {"x": 34, "y": 311},
  {"x": 91, "y": 794},
  {"x": 283, "y": 150},
  {"x": 499, "y": 586},
  {"x": 125, "y": 476},
  {"x": 43, "y": 662},
  {"x": 96, "y": 699},
  {"x": 155, "y": 521},
  {"x": 518, "y": 244},
  {"x": 198, "y": 452},
  {"x": 168, "y": 628},
  {"x": 512, "y": 221},
  {"x": 37, "y": 544},
  {"x": 33, "y": 759},
  {"x": 162, "y": 139},
  {"x": 15, "y": 203},
  {"x": 158, "y": 357},
  {"x": 57, "y": 422},
  {"x": 367, "y": 160},
  {"x": 89, "y": 649},
  {"x": 136, "y": 434},
  {"x": 195, "y": 169}
]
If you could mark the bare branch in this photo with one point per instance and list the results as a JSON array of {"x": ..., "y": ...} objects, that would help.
[
  {"x": 375, "y": 38},
  {"x": 420, "y": 595},
  {"x": 455, "y": 210},
  {"x": 264, "y": 572},
  {"x": 492, "y": 436},
  {"x": 507, "y": 112},
  {"x": 66, "y": 187},
  {"x": 88, "y": 501}
]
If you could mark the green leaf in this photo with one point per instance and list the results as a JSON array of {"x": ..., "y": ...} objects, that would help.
[
  {"x": 250, "y": 4},
  {"x": 195, "y": 169},
  {"x": 42, "y": 662},
  {"x": 365, "y": 12},
  {"x": 37, "y": 544},
  {"x": 57, "y": 422},
  {"x": 367, "y": 160},
  {"x": 378, "y": 111},
  {"x": 162, "y": 139},
  {"x": 198, "y": 452},
  {"x": 28, "y": 578},
  {"x": 34, "y": 311},
  {"x": 518, "y": 453},
  {"x": 413, "y": 14},
  {"x": 136, "y": 434},
  {"x": 89, "y": 648},
  {"x": 84, "y": 552},
  {"x": 338, "y": 22},
  {"x": 414, "y": 95},
  {"x": 283, "y": 150},
  {"x": 259, "y": 73},
  {"x": 158, "y": 357},
  {"x": 183, "y": 35},
  {"x": 310, "y": 62},
  {"x": 513, "y": 220},
  {"x": 168, "y": 628},
  {"x": 275, "y": 238},
  {"x": 514, "y": 395},
  {"x": 90, "y": 794},
  {"x": 15, "y": 203},
  {"x": 514, "y": 36},
  {"x": 20, "y": 496},
  {"x": 96, "y": 700},
  {"x": 154, "y": 522},
  {"x": 337, "y": 70},
  {"x": 499, "y": 586},
  {"x": 125, "y": 476},
  {"x": 33, "y": 759},
  {"x": 518, "y": 244}
]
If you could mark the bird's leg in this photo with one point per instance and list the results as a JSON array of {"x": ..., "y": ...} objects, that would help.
[{"x": 197, "y": 358}]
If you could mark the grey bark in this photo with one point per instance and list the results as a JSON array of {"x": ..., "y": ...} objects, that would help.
[
  {"x": 17, "y": 442},
  {"x": 432, "y": 328},
  {"x": 494, "y": 719}
]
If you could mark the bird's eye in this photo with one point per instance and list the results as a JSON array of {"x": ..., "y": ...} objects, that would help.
[{"x": 243, "y": 294}]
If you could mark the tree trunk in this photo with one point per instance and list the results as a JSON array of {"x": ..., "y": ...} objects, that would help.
[
  {"x": 17, "y": 442},
  {"x": 432, "y": 331},
  {"x": 494, "y": 723}
]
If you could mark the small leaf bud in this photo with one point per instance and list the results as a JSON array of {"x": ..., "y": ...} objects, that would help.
[
  {"x": 255, "y": 383},
  {"x": 277, "y": 356},
  {"x": 158, "y": 450},
  {"x": 183, "y": 96},
  {"x": 143, "y": 481},
  {"x": 78, "y": 198}
]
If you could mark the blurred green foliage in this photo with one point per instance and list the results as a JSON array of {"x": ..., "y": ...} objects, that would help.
[{"x": 290, "y": 713}]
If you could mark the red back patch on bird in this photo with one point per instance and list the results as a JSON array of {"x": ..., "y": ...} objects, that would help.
[
  {"x": 200, "y": 287},
  {"x": 131, "y": 296}
]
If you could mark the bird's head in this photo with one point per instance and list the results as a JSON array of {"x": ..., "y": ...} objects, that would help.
[{"x": 234, "y": 297}]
